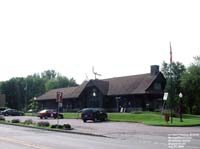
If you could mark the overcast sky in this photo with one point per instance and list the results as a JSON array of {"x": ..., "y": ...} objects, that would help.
[{"x": 118, "y": 38}]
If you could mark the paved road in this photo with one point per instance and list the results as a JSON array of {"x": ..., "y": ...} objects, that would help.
[
  {"x": 13, "y": 137},
  {"x": 131, "y": 135}
]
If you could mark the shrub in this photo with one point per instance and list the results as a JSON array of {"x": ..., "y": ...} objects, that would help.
[
  {"x": 28, "y": 122},
  {"x": 57, "y": 126},
  {"x": 67, "y": 126},
  {"x": 53, "y": 126},
  {"x": 43, "y": 124},
  {"x": 15, "y": 121},
  {"x": 2, "y": 118},
  {"x": 60, "y": 126},
  {"x": 196, "y": 109}
]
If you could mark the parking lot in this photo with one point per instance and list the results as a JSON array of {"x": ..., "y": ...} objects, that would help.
[{"x": 121, "y": 130}]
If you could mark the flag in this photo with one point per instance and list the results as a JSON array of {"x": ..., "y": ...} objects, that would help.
[{"x": 170, "y": 52}]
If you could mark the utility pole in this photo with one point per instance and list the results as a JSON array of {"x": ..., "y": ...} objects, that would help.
[
  {"x": 59, "y": 100},
  {"x": 171, "y": 86},
  {"x": 26, "y": 92}
]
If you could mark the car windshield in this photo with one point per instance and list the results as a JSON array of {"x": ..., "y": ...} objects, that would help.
[
  {"x": 86, "y": 111},
  {"x": 43, "y": 111}
]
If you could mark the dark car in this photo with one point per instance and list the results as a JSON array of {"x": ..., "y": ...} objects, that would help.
[
  {"x": 12, "y": 112},
  {"x": 2, "y": 109},
  {"x": 94, "y": 114},
  {"x": 47, "y": 113}
]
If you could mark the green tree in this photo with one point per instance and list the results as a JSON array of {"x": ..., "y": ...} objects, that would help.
[
  {"x": 177, "y": 69},
  {"x": 33, "y": 105},
  {"x": 14, "y": 91},
  {"x": 59, "y": 82},
  {"x": 19, "y": 91},
  {"x": 49, "y": 74},
  {"x": 190, "y": 84}
]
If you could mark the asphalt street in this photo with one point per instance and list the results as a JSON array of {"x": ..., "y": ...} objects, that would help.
[
  {"x": 13, "y": 137},
  {"x": 118, "y": 135}
]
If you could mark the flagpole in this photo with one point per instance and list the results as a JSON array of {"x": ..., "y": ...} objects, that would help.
[{"x": 171, "y": 90}]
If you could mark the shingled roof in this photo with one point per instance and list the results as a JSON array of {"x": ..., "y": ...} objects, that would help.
[
  {"x": 136, "y": 84},
  {"x": 128, "y": 85},
  {"x": 68, "y": 92}
]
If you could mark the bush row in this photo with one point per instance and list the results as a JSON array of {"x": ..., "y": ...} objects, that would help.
[
  {"x": 2, "y": 118},
  {"x": 40, "y": 123},
  {"x": 43, "y": 124},
  {"x": 65, "y": 126}
]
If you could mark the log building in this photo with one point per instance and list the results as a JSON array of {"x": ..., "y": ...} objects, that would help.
[{"x": 130, "y": 93}]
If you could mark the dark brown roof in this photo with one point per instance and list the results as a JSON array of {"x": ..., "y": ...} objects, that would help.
[
  {"x": 68, "y": 92},
  {"x": 136, "y": 84},
  {"x": 102, "y": 85}
]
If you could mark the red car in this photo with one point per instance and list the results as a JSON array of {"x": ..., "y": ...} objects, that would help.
[{"x": 47, "y": 113}]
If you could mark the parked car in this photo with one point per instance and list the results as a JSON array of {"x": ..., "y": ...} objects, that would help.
[
  {"x": 47, "y": 113},
  {"x": 2, "y": 109},
  {"x": 12, "y": 112},
  {"x": 94, "y": 114}
]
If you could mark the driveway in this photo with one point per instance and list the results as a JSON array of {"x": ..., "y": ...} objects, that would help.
[
  {"x": 121, "y": 130},
  {"x": 132, "y": 132}
]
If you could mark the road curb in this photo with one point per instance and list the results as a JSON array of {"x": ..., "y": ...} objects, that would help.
[
  {"x": 55, "y": 130},
  {"x": 160, "y": 125},
  {"x": 195, "y": 125}
]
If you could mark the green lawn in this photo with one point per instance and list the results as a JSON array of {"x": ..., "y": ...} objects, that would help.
[
  {"x": 154, "y": 118},
  {"x": 71, "y": 115}
]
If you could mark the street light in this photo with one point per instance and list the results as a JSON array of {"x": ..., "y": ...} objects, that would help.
[
  {"x": 94, "y": 93},
  {"x": 180, "y": 104}
]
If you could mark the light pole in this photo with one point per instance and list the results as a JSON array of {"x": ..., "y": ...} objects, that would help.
[
  {"x": 26, "y": 92},
  {"x": 180, "y": 104}
]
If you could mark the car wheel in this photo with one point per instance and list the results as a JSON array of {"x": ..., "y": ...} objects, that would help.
[
  {"x": 84, "y": 121},
  {"x": 45, "y": 117},
  {"x": 41, "y": 117}
]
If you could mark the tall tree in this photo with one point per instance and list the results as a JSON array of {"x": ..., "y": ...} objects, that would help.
[
  {"x": 190, "y": 83},
  {"x": 14, "y": 91},
  {"x": 49, "y": 74},
  {"x": 177, "y": 69},
  {"x": 59, "y": 82},
  {"x": 19, "y": 91}
]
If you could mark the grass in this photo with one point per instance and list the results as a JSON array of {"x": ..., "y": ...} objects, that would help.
[
  {"x": 71, "y": 115},
  {"x": 152, "y": 118},
  {"x": 30, "y": 114}
]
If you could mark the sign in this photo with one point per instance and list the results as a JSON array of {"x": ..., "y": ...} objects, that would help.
[
  {"x": 59, "y": 97},
  {"x": 165, "y": 96}
]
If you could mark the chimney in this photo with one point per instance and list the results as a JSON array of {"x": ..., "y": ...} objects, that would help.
[{"x": 154, "y": 69}]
